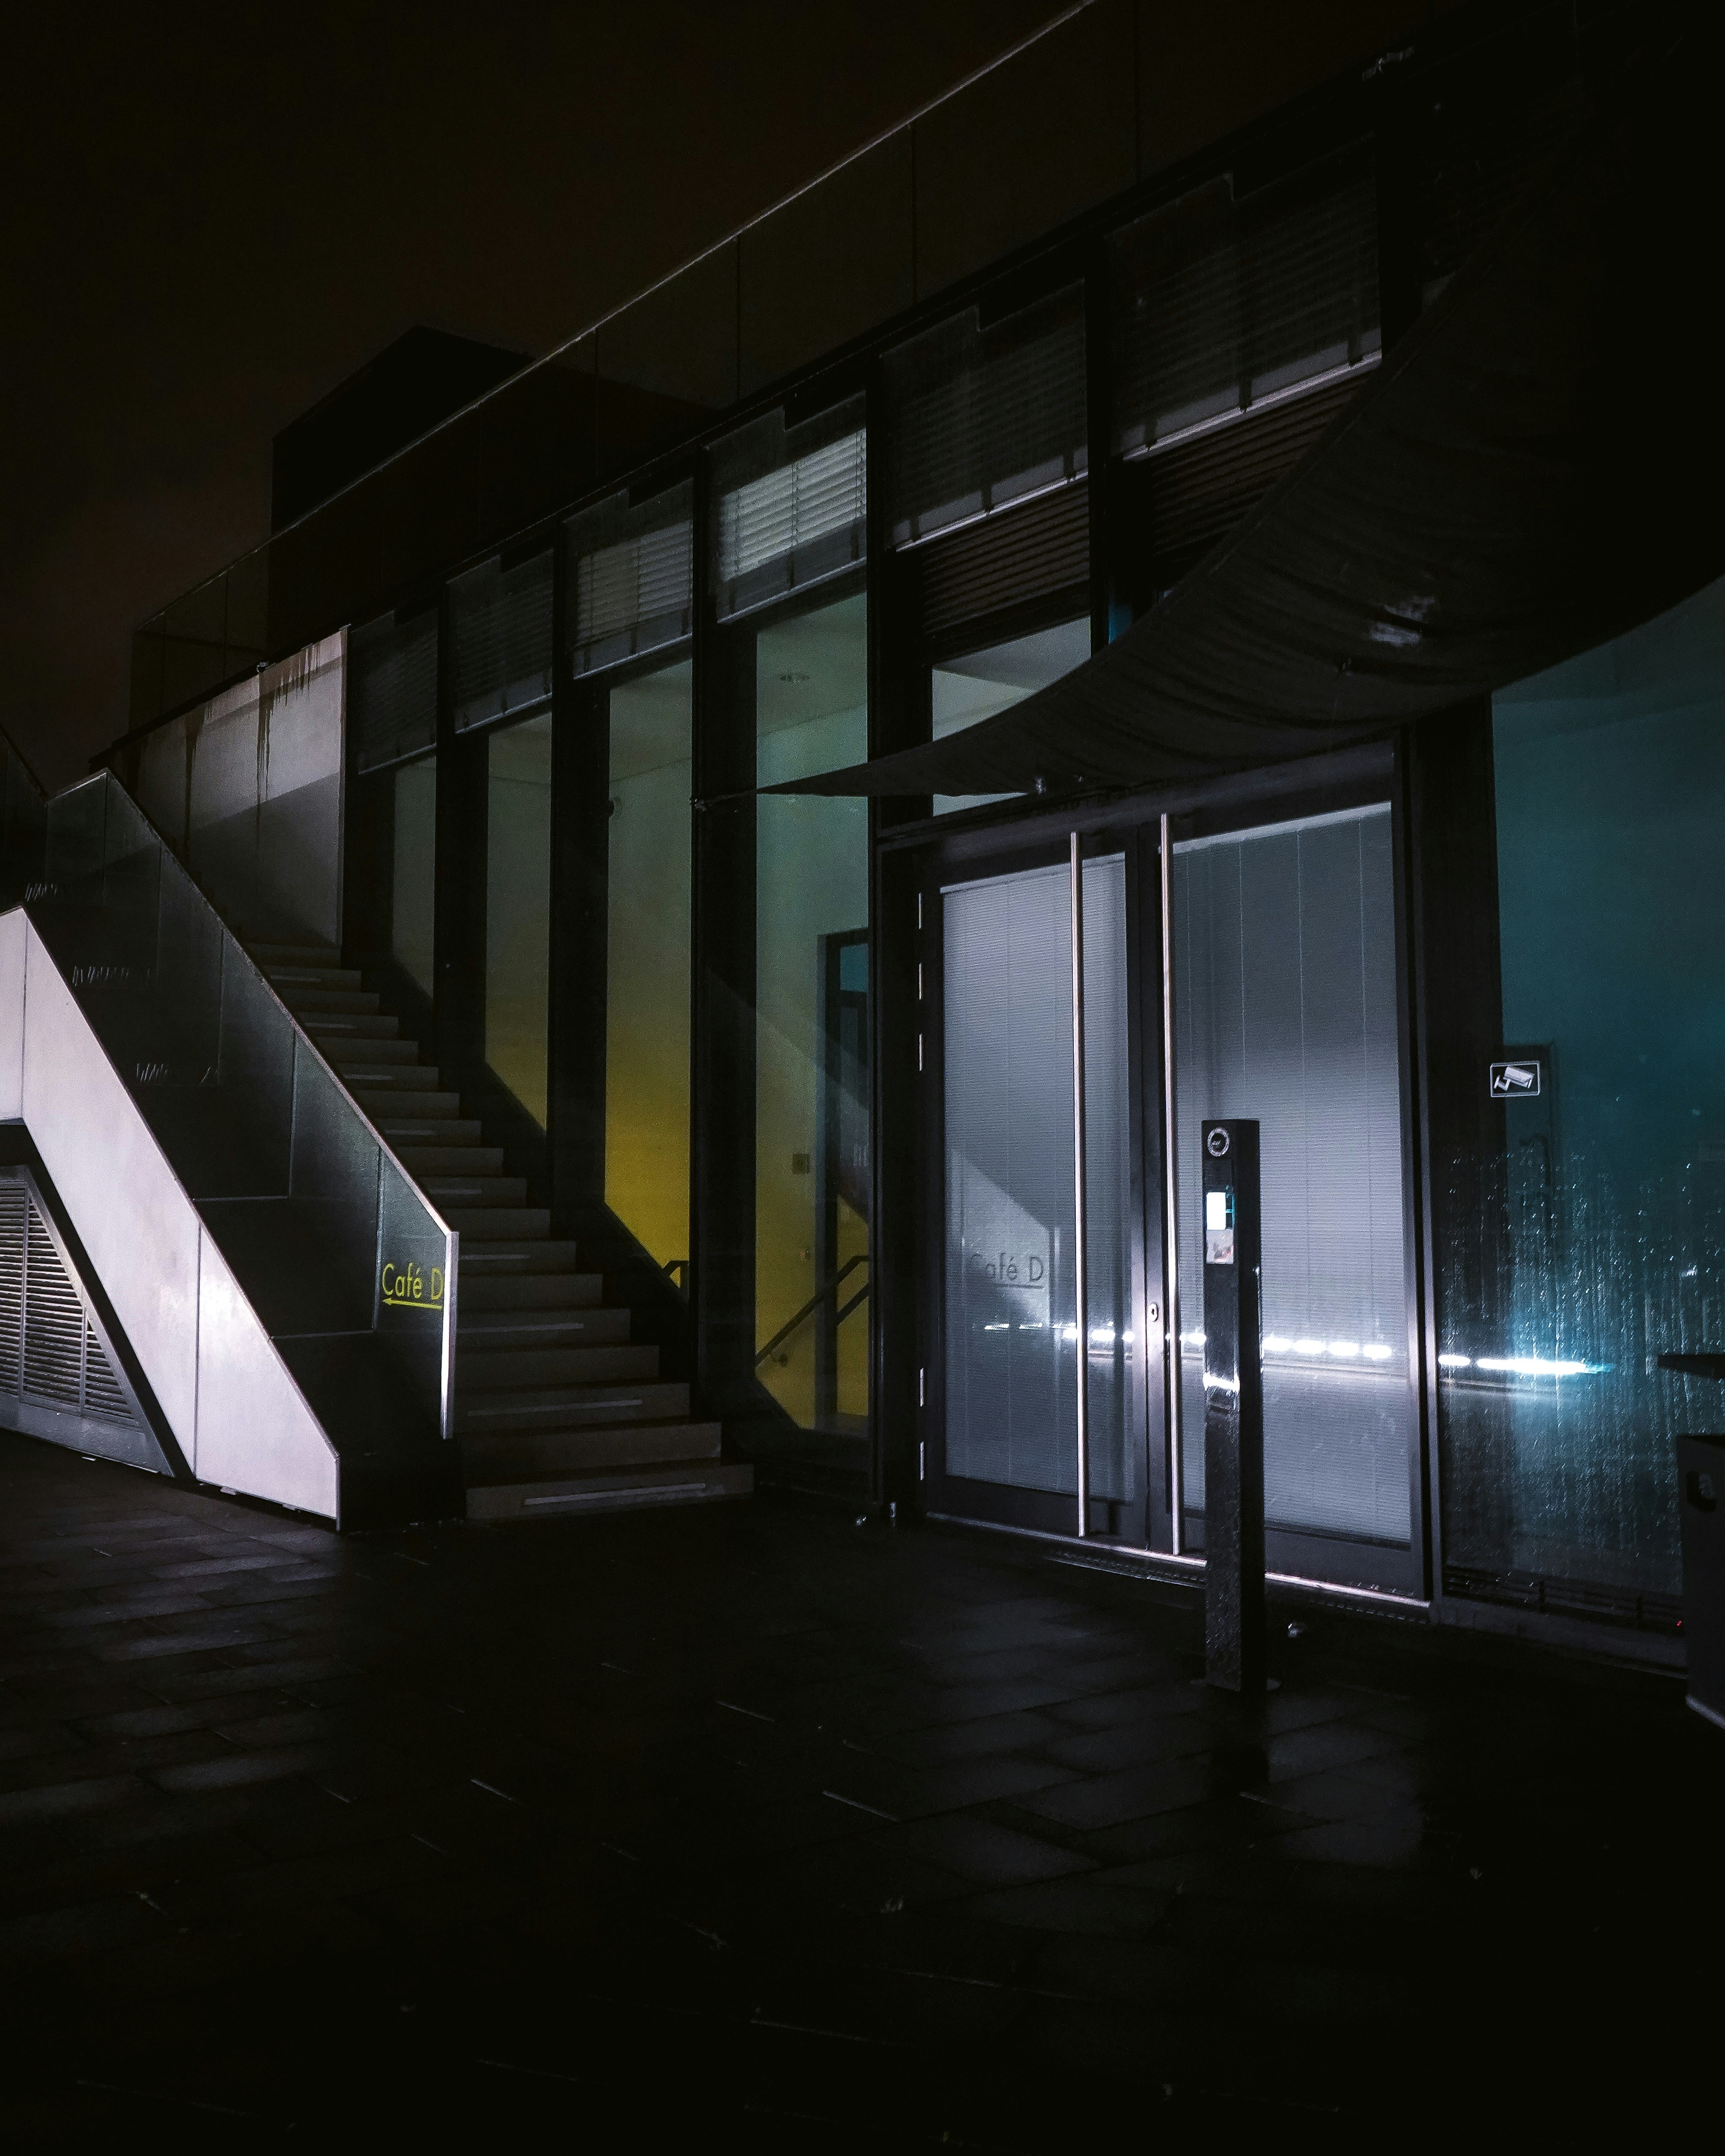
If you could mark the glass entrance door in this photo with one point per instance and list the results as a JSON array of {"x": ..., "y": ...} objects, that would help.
[
  {"x": 1286, "y": 1009},
  {"x": 1016, "y": 1317}
]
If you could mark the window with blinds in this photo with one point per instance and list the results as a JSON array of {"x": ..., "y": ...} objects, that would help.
[
  {"x": 391, "y": 692},
  {"x": 985, "y": 414},
  {"x": 1224, "y": 308},
  {"x": 790, "y": 507},
  {"x": 631, "y": 579},
  {"x": 500, "y": 639}
]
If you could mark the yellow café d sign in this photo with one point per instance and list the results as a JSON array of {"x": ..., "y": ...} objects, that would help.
[{"x": 407, "y": 1287}]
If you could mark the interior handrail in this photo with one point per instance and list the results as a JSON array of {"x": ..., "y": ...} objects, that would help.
[{"x": 821, "y": 1294}]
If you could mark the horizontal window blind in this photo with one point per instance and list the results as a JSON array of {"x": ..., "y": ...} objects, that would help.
[
  {"x": 500, "y": 639},
  {"x": 984, "y": 416},
  {"x": 798, "y": 521},
  {"x": 632, "y": 578},
  {"x": 1222, "y": 306},
  {"x": 391, "y": 695}
]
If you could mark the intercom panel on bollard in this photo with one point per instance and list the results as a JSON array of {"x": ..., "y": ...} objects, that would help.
[{"x": 1232, "y": 1408}]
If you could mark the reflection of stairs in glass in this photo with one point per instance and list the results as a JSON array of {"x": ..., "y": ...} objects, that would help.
[{"x": 557, "y": 1411}]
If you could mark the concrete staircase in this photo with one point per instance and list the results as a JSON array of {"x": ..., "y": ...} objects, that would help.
[{"x": 557, "y": 1411}]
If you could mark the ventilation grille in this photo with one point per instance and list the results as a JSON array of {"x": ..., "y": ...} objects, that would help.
[
  {"x": 1200, "y": 489},
  {"x": 392, "y": 708},
  {"x": 1024, "y": 554},
  {"x": 500, "y": 634},
  {"x": 51, "y": 1355},
  {"x": 1223, "y": 305},
  {"x": 14, "y": 1211},
  {"x": 53, "y": 1325},
  {"x": 982, "y": 416}
]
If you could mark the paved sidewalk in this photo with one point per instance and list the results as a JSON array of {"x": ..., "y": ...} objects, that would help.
[{"x": 753, "y": 1819}]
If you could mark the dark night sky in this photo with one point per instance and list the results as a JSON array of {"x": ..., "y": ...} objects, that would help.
[{"x": 210, "y": 215}]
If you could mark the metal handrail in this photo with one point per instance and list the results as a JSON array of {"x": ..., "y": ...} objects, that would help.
[{"x": 820, "y": 1295}]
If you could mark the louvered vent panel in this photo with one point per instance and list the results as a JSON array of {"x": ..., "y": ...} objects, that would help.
[
  {"x": 391, "y": 706},
  {"x": 14, "y": 1211},
  {"x": 1022, "y": 554},
  {"x": 1200, "y": 489},
  {"x": 53, "y": 1325},
  {"x": 501, "y": 636},
  {"x": 103, "y": 1395}
]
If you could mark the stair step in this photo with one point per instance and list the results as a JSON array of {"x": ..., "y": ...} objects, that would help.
[
  {"x": 288, "y": 981},
  {"x": 528, "y": 1456},
  {"x": 479, "y": 1331},
  {"x": 334, "y": 1003},
  {"x": 428, "y": 1132},
  {"x": 449, "y": 1160},
  {"x": 697, "y": 1483},
  {"x": 507, "y": 1259},
  {"x": 385, "y": 1104},
  {"x": 525, "y": 1291},
  {"x": 349, "y": 1050},
  {"x": 481, "y": 1372},
  {"x": 349, "y": 1035},
  {"x": 271, "y": 955},
  {"x": 485, "y": 1192},
  {"x": 573, "y": 1407},
  {"x": 487, "y": 1224}
]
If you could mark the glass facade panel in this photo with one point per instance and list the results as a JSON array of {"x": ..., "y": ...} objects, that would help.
[
  {"x": 413, "y": 875},
  {"x": 790, "y": 507},
  {"x": 629, "y": 584},
  {"x": 1600, "y": 1235},
  {"x": 1285, "y": 1010},
  {"x": 986, "y": 414},
  {"x": 978, "y": 684},
  {"x": 1221, "y": 304},
  {"x": 1012, "y": 1332},
  {"x": 518, "y": 909},
  {"x": 811, "y": 1173},
  {"x": 647, "y": 960}
]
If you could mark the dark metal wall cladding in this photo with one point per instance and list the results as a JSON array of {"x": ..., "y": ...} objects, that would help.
[
  {"x": 392, "y": 690},
  {"x": 1485, "y": 143},
  {"x": 1021, "y": 555},
  {"x": 500, "y": 638}
]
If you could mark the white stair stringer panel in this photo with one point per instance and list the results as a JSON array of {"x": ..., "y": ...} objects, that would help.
[{"x": 234, "y": 1409}]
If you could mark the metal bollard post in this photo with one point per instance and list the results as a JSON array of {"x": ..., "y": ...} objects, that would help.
[{"x": 1232, "y": 1408}]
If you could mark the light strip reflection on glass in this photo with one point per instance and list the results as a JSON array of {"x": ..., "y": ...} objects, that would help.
[{"x": 1522, "y": 1366}]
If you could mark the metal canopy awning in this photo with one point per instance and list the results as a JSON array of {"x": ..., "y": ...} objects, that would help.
[{"x": 1536, "y": 468}]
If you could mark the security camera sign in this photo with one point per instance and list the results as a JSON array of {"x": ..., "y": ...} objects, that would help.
[{"x": 1516, "y": 1082}]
